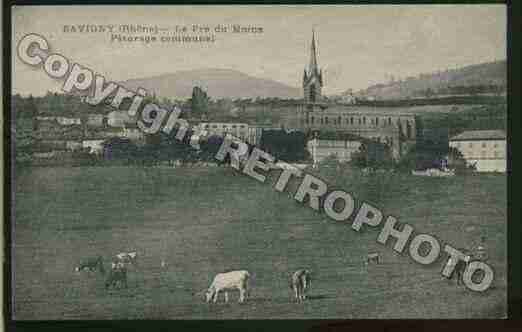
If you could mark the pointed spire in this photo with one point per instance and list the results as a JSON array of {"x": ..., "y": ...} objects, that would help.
[{"x": 313, "y": 56}]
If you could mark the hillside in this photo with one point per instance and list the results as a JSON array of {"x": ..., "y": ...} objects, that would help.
[
  {"x": 218, "y": 83},
  {"x": 485, "y": 78}
]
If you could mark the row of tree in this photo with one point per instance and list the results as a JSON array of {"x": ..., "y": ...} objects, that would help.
[{"x": 462, "y": 90}]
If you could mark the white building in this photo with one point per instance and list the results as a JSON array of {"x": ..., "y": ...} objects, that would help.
[
  {"x": 95, "y": 120},
  {"x": 73, "y": 145},
  {"x": 348, "y": 98},
  {"x": 95, "y": 145},
  {"x": 342, "y": 149},
  {"x": 486, "y": 149},
  {"x": 239, "y": 130},
  {"x": 134, "y": 134},
  {"x": 120, "y": 119},
  {"x": 68, "y": 121}
]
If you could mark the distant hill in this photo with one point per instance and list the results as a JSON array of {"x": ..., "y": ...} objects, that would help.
[
  {"x": 485, "y": 78},
  {"x": 218, "y": 83}
]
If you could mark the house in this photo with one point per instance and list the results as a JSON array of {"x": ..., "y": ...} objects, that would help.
[
  {"x": 95, "y": 120},
  {"x": 486, "y": 149},
  {"x": 68, "y": 121},
  {"x": 348, "y": 98},
  {"x": 95, "y": 146},
  {"x": 120, "y": 119},
  {"x": 73, "y": 145},
  {"x": 133, "y": 133}
]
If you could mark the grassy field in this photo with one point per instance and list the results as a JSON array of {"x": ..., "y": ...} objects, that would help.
[{"x": 205, "y": 221}]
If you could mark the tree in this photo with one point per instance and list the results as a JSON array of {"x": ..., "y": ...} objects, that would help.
[
  {"x": 457, "y": 162},
  {"x": 117, "y": 148},
  {"x": 289, "y": 147},
  {"x": 199, "y": 102},
  {"x": 210, "y": 147},
  {"x": 373, "y": 154}
]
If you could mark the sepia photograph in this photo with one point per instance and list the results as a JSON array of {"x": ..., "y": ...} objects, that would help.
[{"x": 266, "y": 162}]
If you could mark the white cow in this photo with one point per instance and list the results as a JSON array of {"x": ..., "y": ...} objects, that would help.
[
  {"x": 301, "y": 280},
  {"x": 227, "y": 282},
  {"x": 117, "y": 276},
  {"x": 127, "y": 258}
]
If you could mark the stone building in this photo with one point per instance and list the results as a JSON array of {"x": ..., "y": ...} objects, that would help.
[
  {"x": 96, "y": 120},
  {"x": 397, "y": 130},
  {"x": 239, "y": 130},
  {"x": 486, "y": 149}
]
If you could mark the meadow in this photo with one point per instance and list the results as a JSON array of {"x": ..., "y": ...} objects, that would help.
[{"x": 202, "y": 221}]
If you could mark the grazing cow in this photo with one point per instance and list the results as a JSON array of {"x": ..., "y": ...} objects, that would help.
[
  {"x": 117, "y": 276},
  {"x": 91, "y": 264},
  {"x": 127, "y": 258},
  {"x": 301, "y": 280},
  {"x": 234, "y": 280},
  {"x": 372, "y": 258}
]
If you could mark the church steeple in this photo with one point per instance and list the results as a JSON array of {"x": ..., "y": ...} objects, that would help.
[
  {"x": 312, "y": 78},
  {"x": 312, "y": 69}
]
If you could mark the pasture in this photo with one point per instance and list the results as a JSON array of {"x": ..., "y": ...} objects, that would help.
[{"x": 202, "y": 221}]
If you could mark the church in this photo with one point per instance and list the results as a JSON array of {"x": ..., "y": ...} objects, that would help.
[{"x": 319, "y": 116}]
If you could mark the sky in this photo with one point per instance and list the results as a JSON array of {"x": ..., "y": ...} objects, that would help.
[{"x": 357, "y": 45}]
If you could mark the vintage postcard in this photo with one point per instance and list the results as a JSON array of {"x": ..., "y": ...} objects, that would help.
[{"x": 258, "y": 162}]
